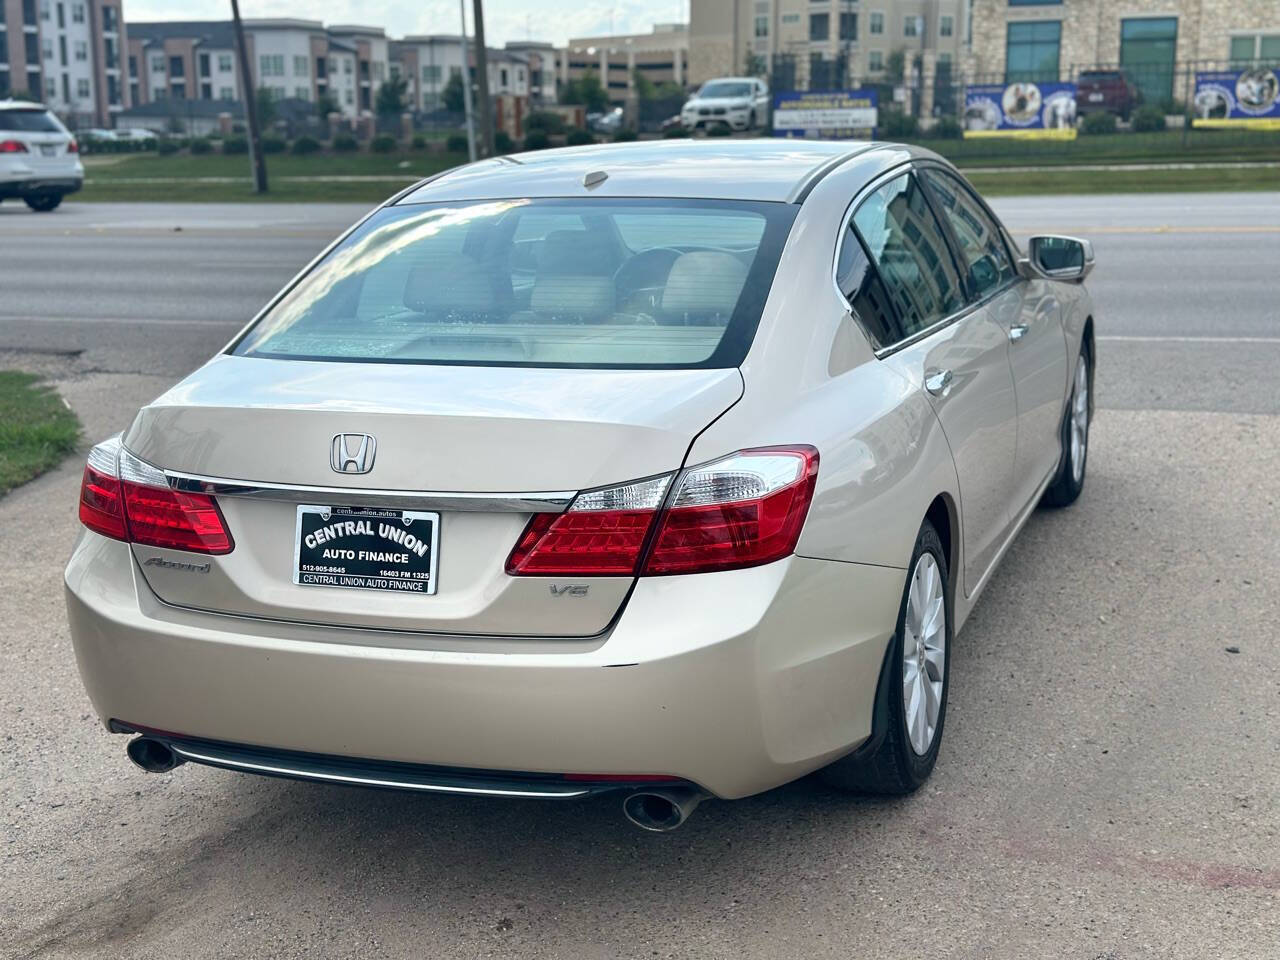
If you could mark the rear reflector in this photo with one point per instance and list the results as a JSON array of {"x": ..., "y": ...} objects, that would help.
[
  {"x": 744, "y": 510},
  {"x": 128, "y": 499}
]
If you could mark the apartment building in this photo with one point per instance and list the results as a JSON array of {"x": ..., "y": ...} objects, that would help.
[
  {"x": 662, "y": 55},
  {"x": 67, "y": 53},
  {"x": 189, "y": 60},
  {"x": 821, "y": 44},
  {"x": 1157, "y": 42},
  {"x": 372, "y": 58},
  {"x": 428, "y": 62}
]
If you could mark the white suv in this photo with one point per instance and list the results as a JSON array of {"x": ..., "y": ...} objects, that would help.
[
  {"x": 741, "y": 103},
  {"x": 39, "y": 158}
]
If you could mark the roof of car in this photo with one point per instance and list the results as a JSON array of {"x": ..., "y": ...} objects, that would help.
[
  {"x": 20, "y": 105},
  {"x": 777, "y": 170}
]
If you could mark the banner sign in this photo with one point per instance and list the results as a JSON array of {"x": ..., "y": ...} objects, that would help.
[
  {"x": 1238, "y": 98},
  {"x": 1042, "y": 110},
  {"x": 826, "y": 115}
]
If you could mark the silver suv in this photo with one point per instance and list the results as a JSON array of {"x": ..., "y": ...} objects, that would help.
[{"x": 39, "y": 158}]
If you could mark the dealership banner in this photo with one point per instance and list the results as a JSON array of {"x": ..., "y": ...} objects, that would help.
[
  {"x": 1039, "y": 110},
  {"x": 826, "y": 115},
  {"x": 1249, "y": 97}
]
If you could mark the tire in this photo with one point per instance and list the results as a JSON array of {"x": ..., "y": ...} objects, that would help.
[
  {"x": 43, "y": 202},
  {"x": 893, "y": 762},
  {"x": 1068, "y": 483}
]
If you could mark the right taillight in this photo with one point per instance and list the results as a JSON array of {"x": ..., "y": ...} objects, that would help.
[
  {"x": 128, "y": 499},
  {"x": 743, "y": 510}
]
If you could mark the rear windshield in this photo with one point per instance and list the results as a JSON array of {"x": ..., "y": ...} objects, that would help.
[
  {"x": 712, "y": 90},
  {"x": 539, "y": 283},
  {"x": 29, "y": 121}
]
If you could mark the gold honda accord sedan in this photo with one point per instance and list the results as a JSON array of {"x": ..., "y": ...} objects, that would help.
[{"x": 671, "y": 469}]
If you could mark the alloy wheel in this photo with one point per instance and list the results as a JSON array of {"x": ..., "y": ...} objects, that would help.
[{"x": 924, "y": 653}]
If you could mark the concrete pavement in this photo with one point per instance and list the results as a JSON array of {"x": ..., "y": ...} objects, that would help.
[{"x": 1107, "y": 788}]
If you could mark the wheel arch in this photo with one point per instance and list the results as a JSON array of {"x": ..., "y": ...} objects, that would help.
[{"x": 944, "y": 517}]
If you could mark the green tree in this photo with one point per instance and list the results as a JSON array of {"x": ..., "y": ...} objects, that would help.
[
  {"x": 266, "y": 107},
  {"x": 645, "y": 89},
  {"x": 391, "y": 96},
  {"x": 326, "y": 104},
  {"x": 895, "y": 65},
  {"x": 586, "y": 91},
  {"x": 453, "y": 94}
]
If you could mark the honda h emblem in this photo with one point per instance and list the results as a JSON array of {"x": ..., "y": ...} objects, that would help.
[{"x": 352, "y": 452}]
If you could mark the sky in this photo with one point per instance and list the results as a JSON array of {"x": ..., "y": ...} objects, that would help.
[{"x": 553, "y": 20}]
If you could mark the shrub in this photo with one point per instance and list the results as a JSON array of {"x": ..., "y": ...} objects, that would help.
[
  {"x": 304, "y": 145},
  {"x": 235, "y": 145},
  {"x": 383, "y": 143},
  {"x": 1148, "y": 119},
  {"x": 537, "y": 141},
  {"x": 544, "y": 121},
  {"x": 625, "y": 136},
  {"x": 718, "y": 130},
  {"x": 167, "y": 147},
  {"x": 1095, "y": 124},
  {"x": 947, "y": 128},
  {"x": 579, "y": 138},
  {"x": 672, "y": 133},
  {"x": 895, "y": 124},
  {"x": 457, "y": 143},
  {"x": 201, "y": 145},
  {"x": 272, "y": 144},
  {"x": 419, "y": 142},
  {"x": 345, "y": 143},
  {"x": 502, "y": 142}
]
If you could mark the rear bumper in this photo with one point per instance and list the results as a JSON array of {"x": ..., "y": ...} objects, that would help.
[
  {"x": 19, "y": 176},
  {"x": 735, "y": 681}
]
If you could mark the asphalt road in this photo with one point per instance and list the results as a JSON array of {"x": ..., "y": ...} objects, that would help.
[{"x": 1109, "y": 786}]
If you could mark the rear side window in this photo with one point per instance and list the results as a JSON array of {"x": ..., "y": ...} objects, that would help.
[
  {"x": 861, "y": 285},
  {"x": 549, "y": 282},
  {"x": 982, "y": 249},
  {"x": 907, "y": 244},
  {"x": 30, "y": 121}
]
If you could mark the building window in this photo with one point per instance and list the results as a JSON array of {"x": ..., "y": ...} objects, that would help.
[
  {"x": 875, "y": 61},
  {"x": 226, "y": 93},
  {"x": 946, "y": 26},
  {"x": 62, "y": 22},
  {"x": 849, "y": 26},
  {"x": 177, "y": 67},
  {"x": 82, "y": 50},
  {"x": 109, "y": 19},
  {"x": 82, "y": 88},
  {"x": 302, "y": 93},
  {"x": 1148, "y": 46},
  {"x": 133, "y": 65},
  {"x": 502, "y": 77},
  {"x": 44, "y": 15},
  {"x": 1246, "y": 48},
  {"x": 1031, "y": 53},
  {"x": 301, "y": 66},
  {"x": 762, "y": 26},
  {"x": 204, "y": 64},
  {"x": 271, "y": 65},
  {"x": 346, "y": 68},
  {"x": 77, "y": 13},
  {"x": 819, "y": 26},
  {"x": 791, "y": 18},
  {"x": 379, "y": 69},
  {"x": 877, "y": 22},
  {"x": 351, "y": 97},
  {"x": 29, "y": 13},
  {"x": 911, "y": 26},
  {"x": 51, "y": 88},
  {"x": 431, "y": 74},
  {"x": 224, "y": 62},
  {"x": 46, "y": 48},
  {"x": 157, "y": 64},
  {"x": 179, "y": 90}
]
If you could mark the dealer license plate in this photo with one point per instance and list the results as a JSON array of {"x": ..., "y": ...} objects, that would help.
[{"x": 367, "y": 548}]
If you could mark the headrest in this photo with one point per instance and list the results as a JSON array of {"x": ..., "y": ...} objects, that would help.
[
  {"x": 704, "y": 282},
  {"x": 571, "y": 298},
  {"x": 450, "y": 283}
]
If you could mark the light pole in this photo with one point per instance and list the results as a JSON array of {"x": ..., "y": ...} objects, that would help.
[
  {"x": 466, "y": 85},
  {"x": 256, "y": 160},
  {"x": 482, "y": 80}
]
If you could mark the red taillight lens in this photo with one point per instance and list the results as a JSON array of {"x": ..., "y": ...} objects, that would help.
[
  {"x": 742, "y": 511},
  {"x": 12, "y": 146},
  {"x": 73, "y": 147},
  {"x": 142, "y": 509},
  {"x": 101, "y": 506}
]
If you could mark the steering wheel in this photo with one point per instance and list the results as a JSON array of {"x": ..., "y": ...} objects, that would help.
[{"x": 638, "y": 273}]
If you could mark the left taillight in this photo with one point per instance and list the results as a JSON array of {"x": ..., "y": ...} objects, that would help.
[
  {"x": 744, "y": 510},
  {"x": 128, "y": 499},
  {"x": 13, "y": 146}
]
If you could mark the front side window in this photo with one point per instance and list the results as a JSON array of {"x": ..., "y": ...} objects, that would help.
[
  {"x": 909, "y": 249},
  {"x": 983, "y": 253},
  {"x": 541, "y": 283}
]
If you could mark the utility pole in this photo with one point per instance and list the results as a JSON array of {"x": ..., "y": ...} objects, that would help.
[
  {"x": 256, "y": 160},
  {"x": 466, "y": 85},
  {"x": 482, "y": 78}
]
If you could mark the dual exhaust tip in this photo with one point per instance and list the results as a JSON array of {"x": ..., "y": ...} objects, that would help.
[{"x": 659, "y": 811}]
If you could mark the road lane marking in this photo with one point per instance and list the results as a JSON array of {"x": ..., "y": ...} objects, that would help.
[
  {"x": 1121, "y": 338},
  {"x": 1160, "y": 228}
]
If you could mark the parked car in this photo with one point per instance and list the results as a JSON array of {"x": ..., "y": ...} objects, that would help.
[
  {"x": 1109, "y": 91},
  {"x": 609, "y": 121},
  {"x": 136, "y": 133},
  {"x": 39, "y": 158},
  {"x": 98, "y": 133},
  {"x": 741, "y": 103},
  {"x": 663, "y": 468}
]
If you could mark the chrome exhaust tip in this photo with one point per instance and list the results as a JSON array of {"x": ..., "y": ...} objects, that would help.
[
  {"x": 152, "y": 755},
  {"x": 662, "y": 810}
]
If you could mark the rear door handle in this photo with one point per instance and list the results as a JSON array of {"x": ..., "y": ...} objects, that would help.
[
  {"x": 1018, "y": 331},
  {"x": 938, "y": 382}
]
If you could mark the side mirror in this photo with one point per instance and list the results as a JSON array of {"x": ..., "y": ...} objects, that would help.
[{"x": 1057, "y": 258}]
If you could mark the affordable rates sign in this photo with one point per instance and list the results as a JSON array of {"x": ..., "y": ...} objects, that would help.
[
  {"x": 1238, "y": 98},
  {"x": 1024, "y": 109},
  {"x": 827, "y": 115}
]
